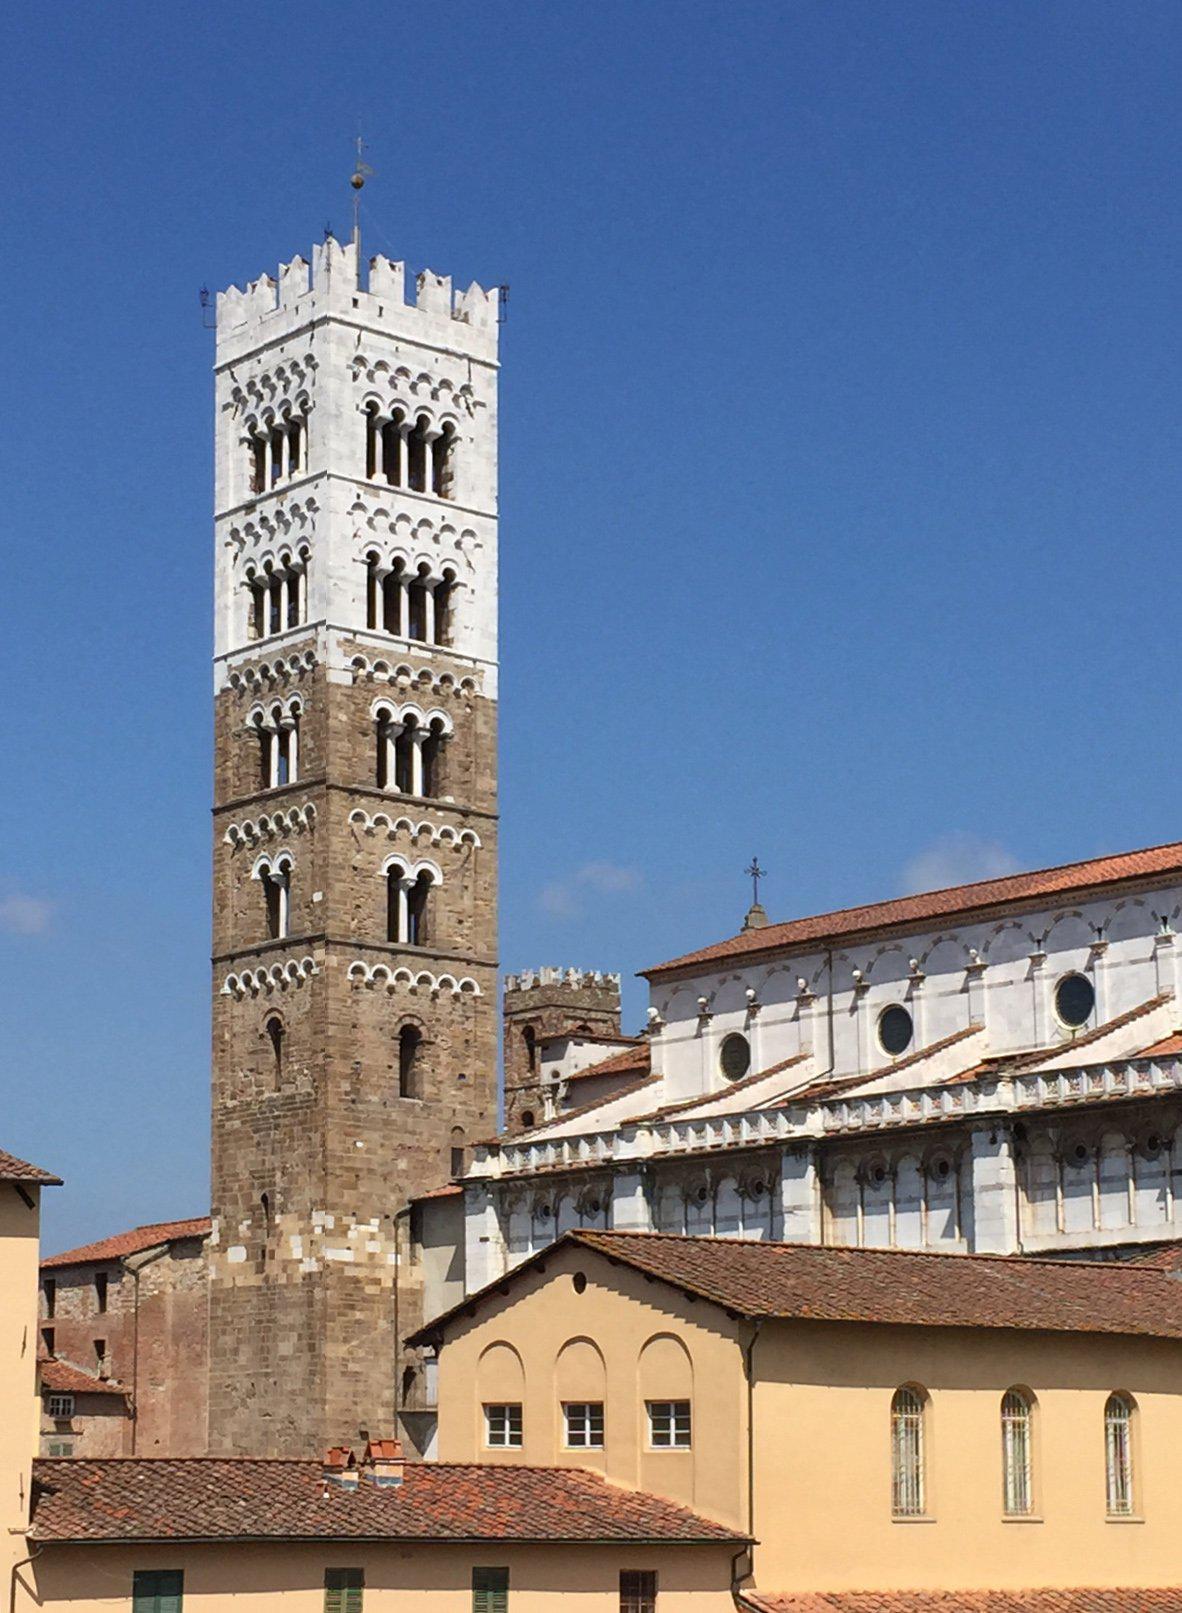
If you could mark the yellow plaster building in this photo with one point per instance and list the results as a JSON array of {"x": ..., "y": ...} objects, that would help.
[{"x": 878, "y": 1421}]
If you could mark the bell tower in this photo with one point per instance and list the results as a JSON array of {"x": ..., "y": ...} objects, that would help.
[{"x": 355, "y": 885}]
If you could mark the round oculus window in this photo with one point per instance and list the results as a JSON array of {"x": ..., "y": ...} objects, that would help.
[
  {"x": 735, "y": 1057},
  {"x": 895, "y": 1030},
  {"x": 1075, "y": 997}
]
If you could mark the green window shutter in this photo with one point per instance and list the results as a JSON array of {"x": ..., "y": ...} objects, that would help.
[
  {"x": 490, "y": 1590},
  {"x": 157, "y": 1590},
  {"x": 343, "y": 1590}
]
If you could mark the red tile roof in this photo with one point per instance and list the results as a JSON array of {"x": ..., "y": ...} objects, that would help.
[
  {"x": 133, "y": 1242},
  {"x": 1168, "y": 1047},
  {"x": 1124, "y": 1599},
  {"x": 204, "y": 1498},
  {"x": 13, "y": 1169},
  {"x": 1163, "y": 1256},
  {"x": 627, "y": 1060},
  {"x": 449, "y": 1190},
  {"x": 927, "y": 905},
  {"x": 811, "y": 1282},
  {"x": 63, "y": 1378}
]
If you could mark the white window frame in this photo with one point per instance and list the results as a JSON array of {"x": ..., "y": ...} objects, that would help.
[
  {"x": 583, "y": 1422},
  {"x": 908, "y": 1453},
  {"x": 1017, "y": 1453},
  {"x": 59, "y": 1406},
  {"x": 1119, "y": 1469},
  {"x": 670, "y": 1425},
  {"x": 503, "y": 1426}
]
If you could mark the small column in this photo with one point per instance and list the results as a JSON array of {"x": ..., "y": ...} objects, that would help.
[
  {"x": 429, "y": 461},
  {"x": 273, "y": 757},
  {"x": 428, "y": 611},
  {"x": 284, "y": 902},
  {"x": 284, "y": 454},
  {"x": 293, "y": 751},
  {"x": 400, "y": 455},
  {"x": 392, "y": 732},
  {"x": 403, "y": 908},
  {"x": 301, "y": 586},
  {"x": 379, "y": 449},
  {"x": 267, "y": 455},
  {"x": 284, "y": 601},
  {"x": 416, "y": 761}
]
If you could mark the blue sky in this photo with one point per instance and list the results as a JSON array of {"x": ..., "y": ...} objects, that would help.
[{"x": 840, "y": 472}]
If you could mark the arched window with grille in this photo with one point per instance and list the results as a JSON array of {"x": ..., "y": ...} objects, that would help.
[
  {"x": 908, "y": 1456},
  {"x": 1118, "y": 1454},
  {"x": 1017, "y": 1453}
]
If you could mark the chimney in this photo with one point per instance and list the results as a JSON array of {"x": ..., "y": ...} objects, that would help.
[
  {"x": 383, "y": 1461},
  {"x": 340, "y": 1467}
]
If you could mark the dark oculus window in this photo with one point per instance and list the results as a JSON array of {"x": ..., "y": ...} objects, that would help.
[
  {"x": 1075, "y": 997},
  {"x": 895, "y": 1030},
  {"x": 735, "y": 1057}
]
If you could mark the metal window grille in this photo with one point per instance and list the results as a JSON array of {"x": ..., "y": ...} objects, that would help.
[
  {"x": 907, "y": 1454},
  {"x": 1016, "y": 1457},
  {"x": 584, "y": 1424},
  {"x": 60, "y": 1406},
  {"x": 1118, "y": 1447},
  {"x": 669, "y": 1425},
  {"x": 502, "y": 1426},
  {"x": 638, "y": 1591}
]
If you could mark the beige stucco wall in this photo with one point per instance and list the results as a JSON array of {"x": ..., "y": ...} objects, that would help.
[
  {"x": 822, "y": 1430},
  {"x": 19, "y": 1410},
  {"x": 822, "y": 1420},
  {"x": 410, "y": 1579},
  {"x": 622, "y": 1341}
]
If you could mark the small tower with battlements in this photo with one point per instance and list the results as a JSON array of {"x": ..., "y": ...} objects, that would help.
[
  {"x": 542, "y": 1003},
  {"x": 354, "y": 926}
]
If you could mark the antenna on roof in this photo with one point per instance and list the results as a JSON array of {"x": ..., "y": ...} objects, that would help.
[{"x": 361, "y": 172}]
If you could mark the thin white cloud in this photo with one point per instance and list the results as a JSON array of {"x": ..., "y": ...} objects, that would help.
[
  {"x": 25, "y": 915},
  {"x": 565, "y": 898},
  {"x": 958, "y": 858}
]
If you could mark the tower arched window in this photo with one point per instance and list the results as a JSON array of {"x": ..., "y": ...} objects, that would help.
[
  {"x": 278, "y": 596},
  {"x": 1118, "y": 1455},
  {"x": 456, "y": 1153},
  {"x": 408, "y": 904},
  {"x": 1017, "y": 1453},
  {"x": 275, "y": 878},
  {"x": 530, "y": 1039},
  {"x": 278, "y": 734},
  {"x": 278, "y": 450},
  {"x": 418, "y": 931},
  {"x": 275, "y": 1036},
  {"x": 410, "y": 1042},
  {"x": 908, "y": 1455}
]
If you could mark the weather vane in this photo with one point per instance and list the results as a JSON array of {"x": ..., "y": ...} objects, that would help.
[
  {"x": 755, "y": 874},
  {"x": 361, "y": 172}
]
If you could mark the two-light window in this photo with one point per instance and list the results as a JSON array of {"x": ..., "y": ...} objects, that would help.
[
  {"x": 344, "y": 1590},
  {"x": 157, "y": 1590},
  {"x": 502, "y": 1426},
  {"x": 668, "y": 1425},
  {"x": 584, "y": 1424}
]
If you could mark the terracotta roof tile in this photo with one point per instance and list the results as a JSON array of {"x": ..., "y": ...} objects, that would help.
[
  {"x": 812, "y": 1282},
  {"x": 939, "y": 904},
  {"x": 1124, "y": 1599},
  {"x": 449, "y": 1190},
  {"x": 1168, "y": 1047},
  {"x": 133, "y": 1242},
  {"x": 64, "y": 1378},
  {"x": 13, "y": 1169},
  {"x": 1162, "y": 1256},
  {"x": 627, "y": 1059},
  {"x": 203, "y": 1498}
]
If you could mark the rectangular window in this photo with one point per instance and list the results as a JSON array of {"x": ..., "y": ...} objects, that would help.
[
  {"x": 157, "y": 1590},
  {"x": 100, "y": 1291},
  {"x": 60, "y": 1406},
  {"x": 50, "y": 1287},
  {"x": 490, "y": 1590},
  {"x": 502, "y": 1427},
  {"x": 344, "y": 1589},
  {"x": 638, "y": 1591},
  {"x": 61, "y": 1447},
  {"x": 669, "y": 1425},
  {"x": 584, "y": 1425}
]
